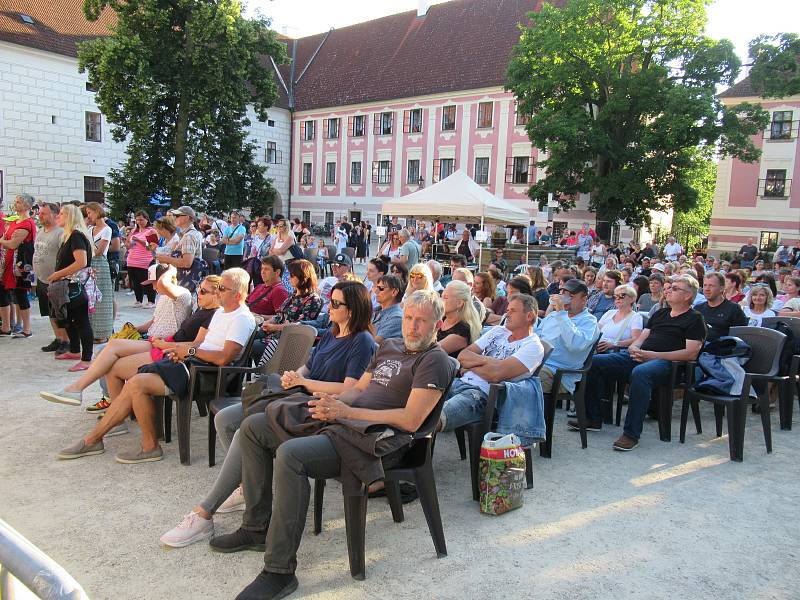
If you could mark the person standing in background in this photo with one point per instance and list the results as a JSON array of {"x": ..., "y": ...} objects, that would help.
[
  {"x": 48, "y": 241},
  {"x": 233, "y": 238},
  {"x": 139, "y": 258}
]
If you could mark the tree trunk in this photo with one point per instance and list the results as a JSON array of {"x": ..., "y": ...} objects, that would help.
[{"x": 182, "y": 130}]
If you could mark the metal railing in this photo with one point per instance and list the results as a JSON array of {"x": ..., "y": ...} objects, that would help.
[
  {"x": 774, "y": 188},
  {"x": 23, "y": 563}
]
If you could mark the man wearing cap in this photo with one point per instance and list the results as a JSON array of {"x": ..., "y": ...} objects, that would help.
[
  {"x": 571, "y": 330},
  {"x": 190, "y": 246},
  {"x": 645, "y": 269},
  {"x": 233, "y": 238}
]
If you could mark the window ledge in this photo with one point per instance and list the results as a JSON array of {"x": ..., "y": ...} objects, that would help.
[{"x": 765, "y": 197}]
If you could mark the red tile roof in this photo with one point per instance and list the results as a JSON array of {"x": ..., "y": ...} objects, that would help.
[
  {"x": 57, "y": 26},
  {"x": 457, "y": 45},
  {"x": 741, "y": 89}
]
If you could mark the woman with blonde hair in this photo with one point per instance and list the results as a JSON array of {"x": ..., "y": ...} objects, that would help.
[
  {"x": 420, "y": 277},
  {"x": 72, "y": 261},
  {"x": 621, "y": 325},
  {"x": 102, "y": 319},
  {"x": 462, "y": 325},
  {"x": 758, "y": 304}
]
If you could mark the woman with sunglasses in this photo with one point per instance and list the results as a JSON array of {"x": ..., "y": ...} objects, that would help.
[
  {"x": 304, "y": 304},
  {"x": 387, "y": 320},
  {"x": 338, "y": 362},
  {"x": 391, "y": 247},
  {"x": 621, "y": 325},
  {"x": 120, "y": 359},
  {"x": 758, "y": 304},
  {"x": 419, "y": 278}
]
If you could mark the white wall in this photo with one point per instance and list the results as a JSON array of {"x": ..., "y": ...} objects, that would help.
[
  {"x": 49, "y": 160},
  {"x": 37, "y": 156}
]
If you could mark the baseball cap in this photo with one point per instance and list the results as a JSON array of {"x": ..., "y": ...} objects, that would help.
[
  {"x": 575, "y": 286},
  {"x": 187, "y": 211},
  {"x": 342, "y": 259},
  {"x": 657, "y": 267}
]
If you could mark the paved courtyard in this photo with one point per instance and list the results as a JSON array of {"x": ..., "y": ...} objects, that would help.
[{"x": 667, "y": 520}]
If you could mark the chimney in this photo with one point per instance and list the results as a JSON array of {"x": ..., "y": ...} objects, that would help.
[{"x": 422, "y": 8}]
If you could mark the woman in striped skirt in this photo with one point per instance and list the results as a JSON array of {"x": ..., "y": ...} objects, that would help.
[{"x": 102, "y": 319}]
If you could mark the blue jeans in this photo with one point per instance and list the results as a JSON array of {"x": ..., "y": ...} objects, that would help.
[
  {"x": 465, "y": 404},
  {"x": 643, "y": 377}
]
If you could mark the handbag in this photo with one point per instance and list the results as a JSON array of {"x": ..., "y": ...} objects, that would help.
[
  {"x": 128, "y": 332},
  {"x": 264, "y": 390},
  {"x": 501, "y": 473}
]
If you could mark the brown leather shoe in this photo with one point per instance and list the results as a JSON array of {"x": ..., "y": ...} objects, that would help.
[{"x": 625, "y": 443}]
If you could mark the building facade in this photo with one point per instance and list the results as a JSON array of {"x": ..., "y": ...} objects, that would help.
[
  {"x": 758, "y": 201},
  {"x": 54, "y": 142}
]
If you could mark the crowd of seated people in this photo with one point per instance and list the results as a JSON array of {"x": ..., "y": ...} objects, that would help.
[{"x": 381, "y": 357}]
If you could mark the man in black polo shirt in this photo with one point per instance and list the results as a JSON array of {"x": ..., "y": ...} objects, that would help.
[
  {"x": 672, "y": 333},
  {"x": 719, "y": 313}
]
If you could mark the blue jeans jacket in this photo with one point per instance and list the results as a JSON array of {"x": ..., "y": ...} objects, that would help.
[{"x": 521, "y": 410}]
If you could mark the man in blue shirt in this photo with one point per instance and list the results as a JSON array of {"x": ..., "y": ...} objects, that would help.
[
  {"x": 233, "y": 238},
  {"x": 601, "y": 303},
  {"x": 532, "y": 232},
  {"x": 571, "y": 330}
]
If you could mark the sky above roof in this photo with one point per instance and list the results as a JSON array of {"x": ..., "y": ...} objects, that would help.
[{"x": 737, "y": 20}]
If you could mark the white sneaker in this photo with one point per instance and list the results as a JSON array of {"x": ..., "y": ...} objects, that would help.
[
  {"x": 63, "y": 397},
  {"x": 234, "y": 502},
  {"x": 193, "y": 528}
]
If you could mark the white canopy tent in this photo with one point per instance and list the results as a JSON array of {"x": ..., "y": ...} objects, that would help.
[{"x": 458, "y": 198}]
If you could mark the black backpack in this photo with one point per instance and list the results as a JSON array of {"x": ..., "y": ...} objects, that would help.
[{"x": 790, "y": 348}]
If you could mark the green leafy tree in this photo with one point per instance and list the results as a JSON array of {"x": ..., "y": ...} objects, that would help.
[
  {"x": 175, "y": 79},
  {"x": 622, "y": 100},
  {"x": 693, "y": 225},
  {"x": 775, "y": 71}
]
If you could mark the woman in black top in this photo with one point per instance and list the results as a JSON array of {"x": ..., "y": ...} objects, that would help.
[
  {"x": 73, "y": 255},
  {"x": 462, "y": 325}
]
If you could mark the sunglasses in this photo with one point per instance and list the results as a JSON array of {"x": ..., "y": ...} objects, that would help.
[
  {"x": 337, "y": 304},
  {"x": 416, "y": 276},
  {"x": 620, "y": 296},
  {"x": 380, "y": 288},
  {"x": 203, "y": 291},
  {"x": 222, "y": 288}
]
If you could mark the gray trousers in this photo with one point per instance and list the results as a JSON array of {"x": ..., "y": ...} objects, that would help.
[
  {"x": 282, "y": 514},
  {"x": 227, "y": 423}
]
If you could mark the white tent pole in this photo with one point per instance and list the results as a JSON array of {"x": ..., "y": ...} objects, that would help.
[
  {"x": 480, "y": 248},
  {"x": 527, "y": 246}
]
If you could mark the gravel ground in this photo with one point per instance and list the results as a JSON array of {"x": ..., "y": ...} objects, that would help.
[{"x": 666, "y": 520}]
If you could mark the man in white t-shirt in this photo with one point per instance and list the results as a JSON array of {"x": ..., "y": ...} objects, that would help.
[
  {"x": 672, "y": 250},
  {"x": 509, "y": 353},
  {"x": 222, "y": 343}
]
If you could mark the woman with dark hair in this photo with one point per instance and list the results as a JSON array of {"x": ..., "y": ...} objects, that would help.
[
  {"x": 140, "y": 257},
  {"x": 654, "y": 293},
  {"x": 539, "y": 288},
  {"x": 401, "y": 271},
  {"x": 519, "y": 285},
  {"x": 102, "y": 319},
  {"x": 388, "y": 319},
  {"x": 338, "y": 362},
  {"x": 16, "y": 249},
  {"x": 642, "y": 286},
  {"x": 733, "y": 285},
  {"x": 376, "y": 268},
  {"x": 303, "y": 305}
]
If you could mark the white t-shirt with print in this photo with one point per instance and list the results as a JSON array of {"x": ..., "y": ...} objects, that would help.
[
  {"x": 755, "y": 319},
  {"x": 102, "y": 234},
  {"x": 495, "y": 344},
  {"x": 235, "y": 326}
]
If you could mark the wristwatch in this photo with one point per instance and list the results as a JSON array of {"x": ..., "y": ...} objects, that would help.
[{"x": 191, "y": 351}]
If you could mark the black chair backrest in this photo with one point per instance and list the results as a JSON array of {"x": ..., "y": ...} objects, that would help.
[
  {"x": 792, "y": 322},
  {"x": 548, "y": 350},
  {"x": 588, "y": 362},
  {"x": 767, "y": 346}
]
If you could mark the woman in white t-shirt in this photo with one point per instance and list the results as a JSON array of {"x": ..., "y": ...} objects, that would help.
[
  {"x": 621, "y": 325},
  {"x": 102, "y": 319},
  {"x": 167, "y": 231},
  {"x": 597, "y": 253},
  {"x": 758, "y": 304}
]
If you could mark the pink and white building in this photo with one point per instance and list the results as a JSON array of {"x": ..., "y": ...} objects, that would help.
[
  {"x": 760, "y": 200},
  {"x": 384, "y": 107}
]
